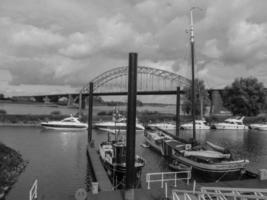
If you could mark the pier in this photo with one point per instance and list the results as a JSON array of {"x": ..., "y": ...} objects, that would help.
[{"x": 98, "y": 170}]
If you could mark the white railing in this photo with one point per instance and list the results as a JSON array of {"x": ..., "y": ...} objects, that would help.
[
  {"x": 163, "y": 177},
  {"x": 254, "y": 192},
  {"x": 33, "y": 190},
  {"x": 218, "y": 193}
]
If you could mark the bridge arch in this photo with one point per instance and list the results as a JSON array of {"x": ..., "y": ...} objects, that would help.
[{"x": 149, "y": 79}]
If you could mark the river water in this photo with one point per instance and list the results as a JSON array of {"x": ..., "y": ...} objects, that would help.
[{"x": 58, "y": 159}]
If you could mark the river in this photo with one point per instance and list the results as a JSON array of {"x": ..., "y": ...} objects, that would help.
[{"x": 58, "y": 159}]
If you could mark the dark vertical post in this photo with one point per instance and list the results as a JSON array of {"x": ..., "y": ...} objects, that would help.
[
  {"x": 178, "y": 112},
  {"x": 90, "y": 111},
  {"x": 131, "y": 121},
  {"x": 193, "y": 72},
  {"x": 211, "y": 101},
  {"x": 193, "y": 90},
  {"x": 83, "y": 102}
]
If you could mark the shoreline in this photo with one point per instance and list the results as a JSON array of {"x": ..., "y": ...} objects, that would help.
[
  {"x": 12, "y": 165},
  {"x": 19, "y": 125}
]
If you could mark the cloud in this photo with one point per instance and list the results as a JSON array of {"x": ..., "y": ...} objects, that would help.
[
  {"x": 211, "y": 50},
  {"x": 67, "y": 42},
  {"x": 36, "y": 37}
]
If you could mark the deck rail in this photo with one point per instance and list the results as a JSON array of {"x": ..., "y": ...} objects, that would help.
[
  {"x": 220, "y": 193},
  {"x": 33, "y": 190},
  {"x": 163, "y": 177}
]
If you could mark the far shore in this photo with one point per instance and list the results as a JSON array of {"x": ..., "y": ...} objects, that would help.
[{"x": 19, "y": 125}]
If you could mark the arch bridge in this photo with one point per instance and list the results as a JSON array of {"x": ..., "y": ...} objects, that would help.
[{"x": 148, "y": 79}]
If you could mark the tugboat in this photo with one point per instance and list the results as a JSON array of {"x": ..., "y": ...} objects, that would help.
[{"x": 113, "y": 157}]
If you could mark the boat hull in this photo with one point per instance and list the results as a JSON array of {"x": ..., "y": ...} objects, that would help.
[
  {"x": 197, "y": 127},
  {"x": 211, "y": 172},
  {"x": 154, "y": 146},
  {"x": 117, "y": 174},
  {"x": 63, "y": 127},
  {"x": 260, "y": 127},
  {"x": 164, "y": 126},
  {"x": 230, "y": 127},
  {"x": 117, "y": 126}
]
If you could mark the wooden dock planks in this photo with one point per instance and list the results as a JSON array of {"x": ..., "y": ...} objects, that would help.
[{"x": 99, "y": 171}]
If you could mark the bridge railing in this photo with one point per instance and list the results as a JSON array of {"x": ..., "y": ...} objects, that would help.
[{"x": 163, "y": 177}]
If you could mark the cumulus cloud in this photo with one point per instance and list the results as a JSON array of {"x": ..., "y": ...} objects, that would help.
[{"x": 67, "y": 42}]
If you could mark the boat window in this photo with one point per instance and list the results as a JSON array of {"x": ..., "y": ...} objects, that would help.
[{"x": 68, "y": 120}]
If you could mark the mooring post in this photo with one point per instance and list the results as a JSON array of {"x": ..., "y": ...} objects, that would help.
[
  {"x": 178, "y": 112},
  {"x": 131, "y": 122},
  {"x": 90, "y": 111}
]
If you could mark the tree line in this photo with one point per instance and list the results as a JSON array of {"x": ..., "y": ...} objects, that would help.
[{"x": 245, "y": 96}]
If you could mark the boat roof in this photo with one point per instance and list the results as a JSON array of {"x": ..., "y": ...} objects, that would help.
[{"x": 174, "y": 144}]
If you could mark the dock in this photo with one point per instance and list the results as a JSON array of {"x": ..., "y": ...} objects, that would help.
[{"x": 98, "y": 169}]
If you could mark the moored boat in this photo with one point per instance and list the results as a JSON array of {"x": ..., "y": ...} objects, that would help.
[
  {"x": 69, "y": 123},
  {"x": 231, "y": 123},
  {"x": 113, "y": 157},
  {"x": 163, "y": 125},
  {"x": 260, "y": 127},
  {"x": 118, "y": 125},
  {"x": 200, "y": 124},
  {"x": 118, "y": 122},
  {"x": 155, "y": 137},
  {"x": 212, "y": 163},
  {"x": 211, "y": 160}
]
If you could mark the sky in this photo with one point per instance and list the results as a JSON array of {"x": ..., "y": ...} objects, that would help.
[{"x": 58, "y": 46}]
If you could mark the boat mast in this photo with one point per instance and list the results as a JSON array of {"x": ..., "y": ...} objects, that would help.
[{"x": 193, "y": 71}]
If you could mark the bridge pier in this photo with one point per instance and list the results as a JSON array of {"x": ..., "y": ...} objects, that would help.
[
  {"x": 90, "y": 112},
  {"x": 70, "y": 100}
]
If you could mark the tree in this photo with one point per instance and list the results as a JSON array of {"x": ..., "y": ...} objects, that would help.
[
  {"x": 201, "y": 99},
  {"x": 244, "y": 97}
]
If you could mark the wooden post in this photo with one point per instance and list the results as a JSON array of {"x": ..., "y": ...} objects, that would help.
[
  {"x": 178, "y": 112},
  {"x": 131, "y": 122},
  {"x": 90, "y": 111}
]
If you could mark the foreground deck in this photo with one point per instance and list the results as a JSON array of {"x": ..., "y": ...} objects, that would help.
[{"x": 157, "y": 191}]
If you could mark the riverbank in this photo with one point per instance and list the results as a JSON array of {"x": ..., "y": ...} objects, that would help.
[
  {"x": 145, "y": 116},
  {"x": 11, "y": 166}
]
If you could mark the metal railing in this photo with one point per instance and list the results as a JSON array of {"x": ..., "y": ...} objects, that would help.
[
  {"x": 163, "y": 177},
  {"x": 33, "y": 190},
  {"x": 220, "y": 193}
]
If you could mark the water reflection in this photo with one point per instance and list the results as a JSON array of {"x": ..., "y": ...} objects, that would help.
[{"x": 58, "y": 158}]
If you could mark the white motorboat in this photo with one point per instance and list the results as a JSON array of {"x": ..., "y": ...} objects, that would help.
[
  {"x": 118, "y": 123},
  {"x": 260, "y": 127},
  {"x": 231, "y": 123},
  {"x": 163, "y": 125},
  {"x": 200, "y": 124},
  {"x": 69, "y": 123}
]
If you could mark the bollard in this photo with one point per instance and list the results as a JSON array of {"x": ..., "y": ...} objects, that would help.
[{"x": 94, "y": 187}]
